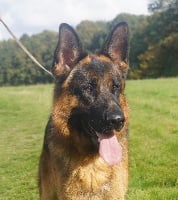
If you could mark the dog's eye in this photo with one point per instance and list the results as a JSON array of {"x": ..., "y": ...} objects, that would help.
[
  {"x": 115, "y": 88},
  {"x": 88, "y": 88}
]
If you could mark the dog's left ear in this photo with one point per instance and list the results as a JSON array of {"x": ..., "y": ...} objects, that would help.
[
  {"x": 68, "y": 52},
  {"x": 117, "y": 45}
]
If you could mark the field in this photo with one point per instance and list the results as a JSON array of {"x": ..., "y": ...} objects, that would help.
[{"x": 153, "y": 139}]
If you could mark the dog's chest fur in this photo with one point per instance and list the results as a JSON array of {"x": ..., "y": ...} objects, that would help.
[{"x": 94, "y": 180}]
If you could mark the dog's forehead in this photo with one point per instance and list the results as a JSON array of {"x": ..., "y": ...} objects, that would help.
[
  {"x": 99, "y": 65},
  {"x": 94, "y": 68}
]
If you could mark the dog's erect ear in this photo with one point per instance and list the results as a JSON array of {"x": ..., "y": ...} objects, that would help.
[
  {"x": 69, "y": 50},
  {"x": 117, "y": 44}
]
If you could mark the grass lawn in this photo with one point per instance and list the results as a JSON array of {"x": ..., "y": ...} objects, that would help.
[{"x": 153, "y": 139}]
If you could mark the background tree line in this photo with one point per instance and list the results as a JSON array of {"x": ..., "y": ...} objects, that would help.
[{"x": 153, "y": 46}]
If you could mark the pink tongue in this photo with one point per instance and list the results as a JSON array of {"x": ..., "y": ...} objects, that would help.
[{"x": 110, "y": 149}]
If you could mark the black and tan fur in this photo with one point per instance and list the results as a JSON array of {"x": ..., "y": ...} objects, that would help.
[{"x": 88, "y": 98}]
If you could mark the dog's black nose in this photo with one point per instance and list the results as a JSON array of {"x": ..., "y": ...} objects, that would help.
[{"x": 116, "y": 121}]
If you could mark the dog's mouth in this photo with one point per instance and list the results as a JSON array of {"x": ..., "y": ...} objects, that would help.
[{"x": 109, "y": 147}]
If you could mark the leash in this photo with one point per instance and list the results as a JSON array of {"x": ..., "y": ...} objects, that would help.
[{"x": 25, "y": 49}]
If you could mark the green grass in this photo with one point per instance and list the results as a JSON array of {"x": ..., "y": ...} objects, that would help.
[
  {"x": 153, "y": 139},
  {"x": 23, "y": 114}
]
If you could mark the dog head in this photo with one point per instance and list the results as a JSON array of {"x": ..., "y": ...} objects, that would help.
[{"x": 89, "y": 101}]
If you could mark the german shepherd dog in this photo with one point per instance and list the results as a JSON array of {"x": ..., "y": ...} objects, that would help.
[{"x": 85, "y": 150}]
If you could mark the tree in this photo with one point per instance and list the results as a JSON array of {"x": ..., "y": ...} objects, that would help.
[
  {"x": 17, "y": 68},
  {"x": 92, "y": 34},
  {"x": 162, "y": 5},
  {"x": 161, "y": 59},
  {"x": 160, "y": 39}
]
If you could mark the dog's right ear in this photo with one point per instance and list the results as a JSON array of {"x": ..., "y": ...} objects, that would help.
[{"x": 68, "y": 52}]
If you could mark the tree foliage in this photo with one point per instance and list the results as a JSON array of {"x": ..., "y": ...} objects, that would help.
[
  {"x": 92, "y": 34},
  {"x": 159, "y": 59},
  {"x": 16, "y": 67},
  {"x": 162, "y": 5},
  {"x": 153, "y": 46}
]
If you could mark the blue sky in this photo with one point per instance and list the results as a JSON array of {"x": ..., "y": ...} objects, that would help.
[{"x": 34, "y": 16}]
